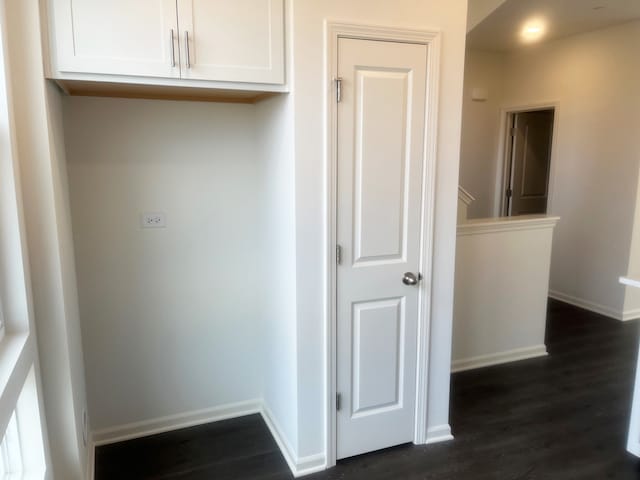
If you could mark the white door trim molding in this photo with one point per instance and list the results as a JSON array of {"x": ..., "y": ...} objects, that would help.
[
  {"x": 501, "y": 164},
  {"x": 431, "y": 38}
]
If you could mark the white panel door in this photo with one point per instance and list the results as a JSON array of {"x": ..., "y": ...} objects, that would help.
[
  {"x": 530, "y": 163},
  {"x": 232, "y": 40},
  {"x": 119, "y": 37},
  {"x": 381, "y": 121}
]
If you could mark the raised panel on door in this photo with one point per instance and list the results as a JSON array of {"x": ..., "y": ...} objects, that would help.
[
  {"x": 380, "y": 137},
  {"x": 232, "y": 40},
  {"x": 116, "y": 37},
  {"x": 378, "y": 354},
  {"x": 380, "y": 186}
]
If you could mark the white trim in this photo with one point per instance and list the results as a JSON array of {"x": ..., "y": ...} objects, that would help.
[
  {"x": 501, "y": 165},
  {"x": 464, "y": 196},
  {"x": 622, "y": 315},
  {"x": 588, "y": 305},
  {"x": 310, "y": 464},
  {"x": 299, "y": 466},
  {"x": 438, "y": 434},
  {"x": 427, "y": 232},
  {"x": 632, "y": 314},
  {"x": 498, "y": 358},
  {"x": 288, "y": 452},
  {"x": 91, "y": 460},
  {"x": 629, "y": 281},
  {"x": 174, "y": 422},
  {"x": 506, "y": 224},
  {"x": 629, "y": 315},
  {"x": 335, "y": 29},
  {"x": 430, "y": 37}
]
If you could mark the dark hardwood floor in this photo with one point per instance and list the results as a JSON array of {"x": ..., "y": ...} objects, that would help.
[{"x": 560, "y": 417}]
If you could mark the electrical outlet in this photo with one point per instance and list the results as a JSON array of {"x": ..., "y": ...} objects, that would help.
[{"x": 152, "y": 220}]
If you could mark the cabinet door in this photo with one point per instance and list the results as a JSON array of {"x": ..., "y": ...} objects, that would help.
[
  {"x": 119, "y": 37},
  {"x": 232, "y": 40}
]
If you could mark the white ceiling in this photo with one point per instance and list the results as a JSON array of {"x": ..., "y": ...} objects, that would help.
[{"x": 500, "y": 31}]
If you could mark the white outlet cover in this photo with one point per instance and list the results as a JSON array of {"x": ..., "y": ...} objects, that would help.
[{"x": 153, "y": 220}]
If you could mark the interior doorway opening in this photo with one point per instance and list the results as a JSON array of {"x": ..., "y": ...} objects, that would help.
[{"x": 529, "y": 141}]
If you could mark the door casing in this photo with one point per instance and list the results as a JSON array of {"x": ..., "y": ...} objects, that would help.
[
  {"x": 431, "y": 38},
  {"x": 502, "y": 165}
]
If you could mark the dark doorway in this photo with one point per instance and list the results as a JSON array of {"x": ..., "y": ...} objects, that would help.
[{"x": 528, "y": 162}]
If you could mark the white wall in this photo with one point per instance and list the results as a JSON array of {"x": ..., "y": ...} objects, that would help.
[
  {"x": 275, "y": 127},
  {"x": 593, "y": 77},
  {"x": 52, "y": 270},
  {"x": 311, "y": 86},
  {"x": 172, "y": 318},
  {"x": 481, "y": 129},
  {"x": 502, "y": 281},
  {"x": 479, "y": 10}
]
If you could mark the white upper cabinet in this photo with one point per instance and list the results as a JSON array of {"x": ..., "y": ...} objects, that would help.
[
  {"x": 115, "y": 37},
  {"x": 232, "y": 40},
  {"x": 238, "y": 41}
]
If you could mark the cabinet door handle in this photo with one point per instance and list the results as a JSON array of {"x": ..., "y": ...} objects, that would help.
[
  {"x": 173, "y": 50},
  {"x": 186, "y": 43}
]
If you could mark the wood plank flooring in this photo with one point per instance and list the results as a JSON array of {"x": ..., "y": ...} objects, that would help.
[{"x": 560, "y": 417}]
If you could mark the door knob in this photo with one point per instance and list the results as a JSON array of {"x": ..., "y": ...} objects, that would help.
[{"x": 410, "y": 278}]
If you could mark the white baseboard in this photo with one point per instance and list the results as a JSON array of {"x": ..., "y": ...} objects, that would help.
[
  {"x": 310, "y": 464},
  {"x": 175, "y": 422},
  {"x": 441, "y": 433},
  {"x": 288, "y": 452},
  {"x": 299, "y": 466},
  {"x": 587, "y": 305},
  {"x": 628, "y": 315},
  {"x": 91, "y": 460},
  {"x": 498, "y": 358}
]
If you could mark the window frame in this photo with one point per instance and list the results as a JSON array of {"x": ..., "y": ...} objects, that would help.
[{"x": 20, "y": 399}]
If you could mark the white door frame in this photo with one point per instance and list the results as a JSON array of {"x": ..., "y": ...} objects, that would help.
[
  {"x": 430, "y": 38},
  {"x": 501, "y": 162}
]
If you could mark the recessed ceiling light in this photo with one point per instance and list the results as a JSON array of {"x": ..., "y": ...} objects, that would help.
[{"x": 533, "y": 30}]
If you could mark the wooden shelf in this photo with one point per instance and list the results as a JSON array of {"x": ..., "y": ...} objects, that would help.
[{"x": 84, "y": 88}]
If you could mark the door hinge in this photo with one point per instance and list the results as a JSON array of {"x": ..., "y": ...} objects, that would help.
[
  {"x": 338, "y": 254},
  {"x": 514, "y": 131},
  {"x": 338, "y": 402},
  {"x": 509, "y": 193},
  {"x": 338, "y": 81}
]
